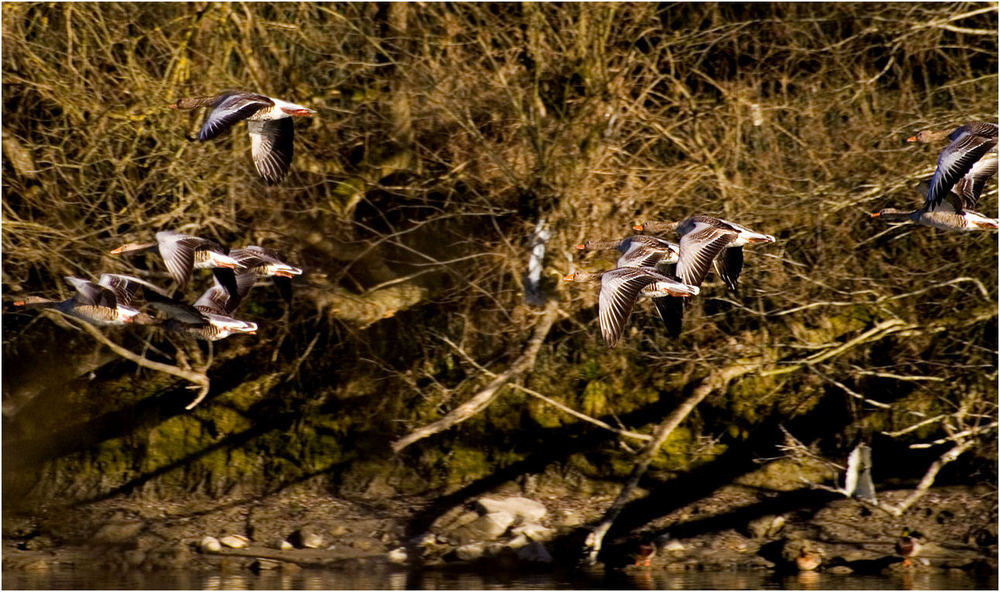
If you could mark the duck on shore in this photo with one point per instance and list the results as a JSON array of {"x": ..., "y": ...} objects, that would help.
[{"x": 909, "y": 545}]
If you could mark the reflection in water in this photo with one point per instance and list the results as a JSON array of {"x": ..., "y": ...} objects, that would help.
[
  {"x": 64, "y": 577},
  {"x": 808, "y": 580}
]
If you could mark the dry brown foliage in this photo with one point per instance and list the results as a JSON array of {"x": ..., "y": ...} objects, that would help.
[{"x": 446, "y": 131}]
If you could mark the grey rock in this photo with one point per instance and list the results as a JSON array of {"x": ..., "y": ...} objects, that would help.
[
  {"x": 526, "y": 509},
  {"x": 397, "y": 556},
  {"x": 454, "y": 518},
  {"x": 119, "y": 531},
  {"x": 533, "y": 531},
  {"x": 766, "y": 526},
  {"x": 210, "y": 544},
  {"x": 134, "y": 557},
  {"x": 517, "y": 542},
  {"x": 470, "y": 552},
  {"x": 484, "y": 528},
  {"x": 534, "y": 553},
  {"x": 264, "y": 565},
  {"x": 234, "y": 541},
  {"x": 428, "y": 539},
  {"x": 42, "y": 541},
  {"x": 567, "y": 517},
  {"x": 307, "y": 537}
]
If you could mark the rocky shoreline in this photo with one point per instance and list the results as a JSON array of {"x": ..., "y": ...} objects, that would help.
[{"x": 737, "y": 527}]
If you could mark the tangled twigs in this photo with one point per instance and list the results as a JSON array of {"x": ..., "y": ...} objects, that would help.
[
  {"x": 710, "y": 383},
  {"x": 198, "y": 378},
  {"x": 482, "y": 399}
]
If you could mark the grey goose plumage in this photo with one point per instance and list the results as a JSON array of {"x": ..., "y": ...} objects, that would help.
[
  {"x": 705, "y": 242},
  {"x": 182, "y": 253},
  {"x": 643, "y": 250},
  {"x": 968, "y": 144},
  {"x": 621, "y": 289},
  {"x": 640, "y": 250},
  {"x": 106, "y": 302},
  {"x": 264, "y": 262},
  {"x": 954, "y": 210},
  {"x": 268, "y": 122},
  {"x": 210, "y": 317}
]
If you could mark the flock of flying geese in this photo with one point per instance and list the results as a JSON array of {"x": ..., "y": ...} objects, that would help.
[
  {"x": 669, "y": 273},
  {"x": 649, "y": 267},
  {"x": 111, "y": 300}
]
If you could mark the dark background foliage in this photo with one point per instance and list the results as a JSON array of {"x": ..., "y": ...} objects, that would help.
[{"x": 444, "y": 133}]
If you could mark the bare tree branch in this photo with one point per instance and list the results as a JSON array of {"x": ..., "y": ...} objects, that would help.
[
  {"x": 483, "y": 398},
  {"x": 198, "y": 378},
  {"x": 552, "y": 402},
  {"x": 710, "y": 383}
]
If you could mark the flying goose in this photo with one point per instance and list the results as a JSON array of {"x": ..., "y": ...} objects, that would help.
[
  {"x": 108, "y": 302},
  {"x": 268, "y": 121},
  {"x": 969, "y": 143},
  {"x": 263, "y": 262},
  {"x": 640, "y": 250},
  {"x": 212, "y": 318},
  {"x": 643, "y": 250},
  {"x": 621, "y": 288},
  {"x": 183, "y": 252},
  {"x": 954, "y": 210},
  {"x": 705, "y": 241}
]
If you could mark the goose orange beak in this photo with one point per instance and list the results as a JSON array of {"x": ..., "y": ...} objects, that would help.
[
  {"x": 876, "y": 214},
  {"x": 19, "y": 303},
  {"x": 637, "y": 227},
  {"x": 569, "y": 277},
  {"x": 911, "y": 139},
  {"x": 581, "y": 246}
]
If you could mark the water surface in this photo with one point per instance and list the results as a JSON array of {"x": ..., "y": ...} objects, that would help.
[{"x": 67, "y": 578}]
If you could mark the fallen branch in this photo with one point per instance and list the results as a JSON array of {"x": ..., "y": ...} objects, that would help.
[
  {"x": 550, "y": 401},
  {"x": 712, "y": 382},
  {"x": 198, "y": 378},
  {"x": 922, "y": 487},
  {"x": 849, "y": 391},
  {"x": 483, "y": 398}
]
